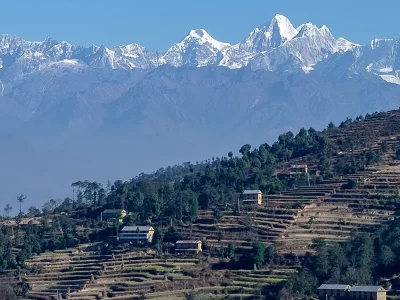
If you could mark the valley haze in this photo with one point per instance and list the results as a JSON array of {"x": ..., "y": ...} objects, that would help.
[{"x": 71, "y": 113}]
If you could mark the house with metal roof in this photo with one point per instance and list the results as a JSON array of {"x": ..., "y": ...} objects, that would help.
[
  {"x": 338, "y": 291},
  {"x": 375, "y": 292},
  {"x": 188, "y": 247},
  {"x": 139, "y": 234},
  {"x": 252, "y": 197},
  {"x": 299, "y": 169},
  {"x": 112, "y": 214},
  {"x": 345, "y": 291}
]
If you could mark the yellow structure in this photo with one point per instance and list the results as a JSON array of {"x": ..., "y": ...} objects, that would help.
[
  {"x": 252, "y": 197},
  {"x": 139, "y": 234},
  {"x": 188, "y": 247}
]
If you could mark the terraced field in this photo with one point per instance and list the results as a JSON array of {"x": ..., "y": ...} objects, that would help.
[
  {"x": 269, "y": 222},
  {"x": 83, "y": 274},
  {"x": 325, "y": 210},
  {"x": 372, "y": 203}
]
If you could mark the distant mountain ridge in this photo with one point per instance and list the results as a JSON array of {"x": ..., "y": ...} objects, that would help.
[
  {"x": 271, "y": 46},
  {"x": 114, "y": 112},
  {"x": 198, "y": 48}
]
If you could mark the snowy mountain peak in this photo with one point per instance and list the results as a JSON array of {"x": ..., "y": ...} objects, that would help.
[
  {"x": 198, "y": 33},
  {"x": 197, "y": 48},
  {"x": 268, "y": 36},
  {"x": 325, "y": 29},
  {"x": 280, "y": 26},
  {"x": 201, "y": 37},
  {"x": 311, "y": 30}
]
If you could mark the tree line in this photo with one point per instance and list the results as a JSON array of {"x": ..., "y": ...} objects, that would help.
[{"x": 365, "y": 259}]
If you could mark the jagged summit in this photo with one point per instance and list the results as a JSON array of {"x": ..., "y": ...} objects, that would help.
[
  {"x": 270, "y": 35},
  {"x": 201, "y": 37},
  {"x": 280, "y": 29},
  {"x": 312, "y": 30},
  {"x": 197, "y": 48}
]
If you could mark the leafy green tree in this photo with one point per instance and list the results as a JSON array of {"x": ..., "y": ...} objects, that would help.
[
  {"x": 386, "y": 256},
  {"x": 194, "y": 207},
  {"x": 21, "y": 198},
  {"x": 302, "y": 284},
  {"x": 33, "y": 211},
  {"x": 245, "y": 151},
  {"x": 217, "y": 214},
  {"x": 258, "y": 253},
  {"x": 171, "y": 236},
  {"x": 230, "y": 251},
  {"x": 371, "y": 157},
  {"x": 270, "y": 254},
  {"x": 8, "y": 209},
  {"x": 324, "y": 165},
  {"x": 351, "y": 184}
]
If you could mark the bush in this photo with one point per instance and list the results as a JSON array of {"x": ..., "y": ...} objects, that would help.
[{"x": 351, "y": 184}]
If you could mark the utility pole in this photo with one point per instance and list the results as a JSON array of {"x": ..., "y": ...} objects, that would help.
[
  {"x": 308, "y": 178},
  {"x": 238, "y": 205}
]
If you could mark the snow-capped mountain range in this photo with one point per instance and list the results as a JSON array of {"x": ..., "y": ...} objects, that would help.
[
  {"x": 271, "y": 46},
  {"x": 274, "y": 46},
  {"x": 69, "y": 112}
]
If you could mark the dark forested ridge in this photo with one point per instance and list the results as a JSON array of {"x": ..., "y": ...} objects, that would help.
[{"x": 177, "y": 195}]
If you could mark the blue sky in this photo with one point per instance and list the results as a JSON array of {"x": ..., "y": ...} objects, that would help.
[{"x": 157, "y": 24}]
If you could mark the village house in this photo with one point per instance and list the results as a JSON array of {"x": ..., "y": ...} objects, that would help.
[
  {"x": 347, "y": 292},
  {"x": 298, "y": 169},
  {"x": 338, "y": 291},
  {"x": 374, "y": 292},
  {"x": 188, "y": 247},
  {"x": 252, "y": 197},
  {"x": 139, "y": 234},
  {"x": 26, "y": 222},
  {"x": 109, "y": 214}
]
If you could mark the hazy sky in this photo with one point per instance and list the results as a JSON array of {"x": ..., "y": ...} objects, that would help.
[{"x": 157, "y": 24}]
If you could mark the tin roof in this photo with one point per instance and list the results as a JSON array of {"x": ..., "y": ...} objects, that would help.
[
  {"x": 334, "y": 287},
  {"x": 367, "y": 288},
  {"x": 245, "y": 192},
  {"x": 136, "y": 228},
  {"x": 188, "y": 241},
  {"x": 112, "y": 211},
  {"x": 299, "y": 166}
]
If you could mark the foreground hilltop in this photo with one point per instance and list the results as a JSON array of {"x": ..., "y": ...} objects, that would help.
[{"x": 351, "y": 189}]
